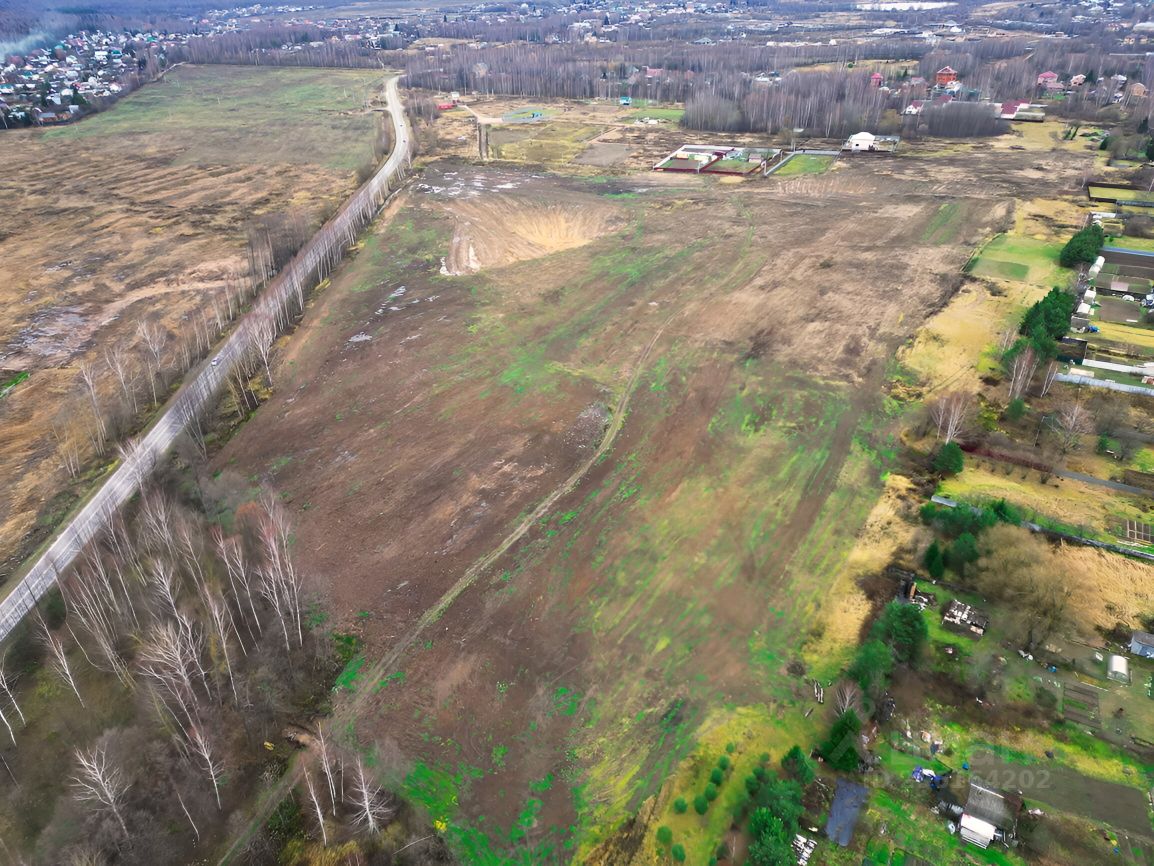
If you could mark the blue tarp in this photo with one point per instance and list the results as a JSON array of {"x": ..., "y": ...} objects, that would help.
[{"x": 845, "y": 810}]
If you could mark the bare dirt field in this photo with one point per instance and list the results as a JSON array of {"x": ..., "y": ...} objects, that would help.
[
  {"x": 681, "y": 395},
  {"x": 137, "y": 214}
]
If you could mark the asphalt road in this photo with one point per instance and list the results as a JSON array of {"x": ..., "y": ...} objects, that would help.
[{"x": 318, "y": 256}]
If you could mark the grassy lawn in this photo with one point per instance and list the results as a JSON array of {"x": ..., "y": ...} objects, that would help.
[
  {"x": 231, "y": 114},
  {"x": 1133, "y": 335},
  {"x": 804, "y": 163},
  {"x": 1132, "y": 243},
  {"x": 1121, "y": 194},
  {"x": 1021, "y": 260},
  {"x": 671, "y": 114}
]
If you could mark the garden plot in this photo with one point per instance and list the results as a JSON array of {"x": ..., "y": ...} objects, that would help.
[{"x": 1021, "y": 259}]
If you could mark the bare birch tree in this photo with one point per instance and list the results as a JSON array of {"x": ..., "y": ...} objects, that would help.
[
  {"x": 1022, "y": 367},
  {"x": 100, "y": 784},
  {"x": 118, "y": 361},
  {"x": 202, "y": 749},
  {"x": 265, "y": 331},
  {"x": 327, "y": 767},
  {"x": 231, "y": 553},
  {"x": 281, "y": 585},
  {"x": 221, "y": 618},
  {"x": 153, "y": 338},
  {"x": 950, "y": 413},
  {"x": 1072, "y": 422},
  {"x": 320, "y": 813},
  {"x": 1049, "y": 376},
  {"x": 93, "y": 605},
  {"x": 6, "y": 684},
  {"x": 371, "y": 811},
  {"x": 91, "y": 382},
  {"x": 59, "y": 659},
  {"x": 164, "y": 663}
]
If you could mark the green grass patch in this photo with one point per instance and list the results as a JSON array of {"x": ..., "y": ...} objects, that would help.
[
  {"x": 9, "y": 386},
  {"x": 1022, "y": 260},
  {"x": 671, "y": 114},
  {"x": 804, "y": 163}
]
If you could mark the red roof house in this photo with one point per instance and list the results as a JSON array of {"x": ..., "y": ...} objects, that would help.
[{"x": 945, "y": 75}]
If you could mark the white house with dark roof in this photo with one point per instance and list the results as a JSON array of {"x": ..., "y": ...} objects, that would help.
[{"x": 1142, "y": 644}]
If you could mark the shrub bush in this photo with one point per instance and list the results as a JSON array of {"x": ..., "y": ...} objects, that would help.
[
  {"x": 664, "y": 835},
  {"x": 700, "y": 804},
  {"x": 949, "y": 460},
  {"x": 711, "y": 792},
  {"x": 716, "y": 776},
  {"x": 680, "y": 806}
]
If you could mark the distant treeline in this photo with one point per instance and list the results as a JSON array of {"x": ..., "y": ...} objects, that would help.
[{"x": 737, "y": 86}]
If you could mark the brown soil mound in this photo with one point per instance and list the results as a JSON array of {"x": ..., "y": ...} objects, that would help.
[{"x": 500, "y": 229}]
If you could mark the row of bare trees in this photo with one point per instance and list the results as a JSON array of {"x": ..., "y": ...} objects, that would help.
[
  {"x": 188, "y": 620},
  {"x": 134, "y": 375}
]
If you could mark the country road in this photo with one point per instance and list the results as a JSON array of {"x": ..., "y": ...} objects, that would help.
[{"x": 314, "y": 260}]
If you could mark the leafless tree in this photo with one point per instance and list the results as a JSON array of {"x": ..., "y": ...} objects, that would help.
[
  {"x": 1022, "y": 367},
  {"x": 265, "y": 337},
  {"x": 371, "y": 811},
  {"x": 184, "y": 808},
  {"x": 4, "y": 720},
  {"x": 69, "y": 448},
  {"x": 165, "y": 663},
  {"x": 162, "y": 582},
  {"x": 188, "y": 543},
  {"x": 116, "y": 357},
  {"x": 203, "y": 751},
  {"x": 221, "y": 618},
  {"x": 154, "y": 339},
  {"x": 100, "y": 784},
  {"x": 6, "y": 684},
  {"x": 847, "y": 697},
  {"x": 320, "y": 813},
  {"x": 231, "y": 553},
  {"x": 156, "y": 522},
  {"x": 327, "y": 767},
  {"x": 1049, "y": 376},
  {"x": 59, "y": 659},
  {"x": 92, "y": 604},
  {"x": 1072, "y": 422},
  {"x": 281, "y": 585},
  {"x": 950, "y": 413},
  {"x": 91, "y": 382}
]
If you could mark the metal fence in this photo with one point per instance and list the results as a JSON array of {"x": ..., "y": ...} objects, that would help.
[{"x": 312, "y": 263}]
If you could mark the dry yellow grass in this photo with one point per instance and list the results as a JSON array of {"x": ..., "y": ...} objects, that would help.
[
  {"x": 888, "y": 532},
  {"x": 1048, "y": 219},
  {"x": 1106, "y": 588},
  {"x": 948, "y": 351},
  {"x": 1070, "y": 502}
]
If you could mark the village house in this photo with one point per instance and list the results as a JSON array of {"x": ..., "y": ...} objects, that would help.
[
  {"x": 1048, "y": 80},
  {"x": 990, "y": 815},
  {"x": 944, "y": 76},
  {"x": 866, "y": 142},
  {"x": 1142, "y": 644}
]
